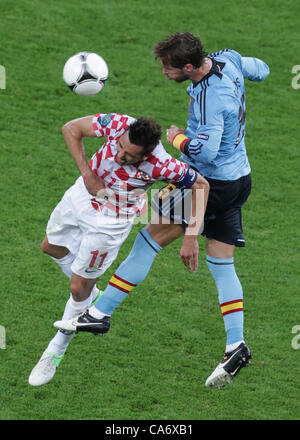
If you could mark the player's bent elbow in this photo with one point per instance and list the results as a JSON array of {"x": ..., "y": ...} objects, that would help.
[
  {"x": 71, "y": 129},
  {"x": 66, "y": 128},
  {"x": 78, "y": 128}
]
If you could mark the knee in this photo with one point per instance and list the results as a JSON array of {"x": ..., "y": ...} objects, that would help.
[
  {"x": 76, "y": 289},
  {"x": 81, "y": 288}
]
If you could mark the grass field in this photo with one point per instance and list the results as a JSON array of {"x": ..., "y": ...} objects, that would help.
[{"x": 167, "y": 337}]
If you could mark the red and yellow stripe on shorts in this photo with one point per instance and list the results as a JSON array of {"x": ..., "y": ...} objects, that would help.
[
  {"x": 231, "y": 306},
  {"x": 121, "y": 284}
]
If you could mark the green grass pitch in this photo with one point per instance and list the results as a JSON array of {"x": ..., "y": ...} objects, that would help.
[{"x": 168, "y": 335}]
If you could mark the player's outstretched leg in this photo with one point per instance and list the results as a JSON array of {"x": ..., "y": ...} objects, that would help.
[
  {"x": 46, "y": 367},
  {"x": 130, "y": 273}
]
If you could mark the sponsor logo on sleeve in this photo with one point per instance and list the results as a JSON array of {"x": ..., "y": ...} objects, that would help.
[{"x": 203, "y": 136}]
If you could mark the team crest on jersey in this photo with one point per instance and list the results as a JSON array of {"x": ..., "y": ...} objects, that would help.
[
  {"x": 141, "y": 175},
  {"x": 105, "y": 120}
]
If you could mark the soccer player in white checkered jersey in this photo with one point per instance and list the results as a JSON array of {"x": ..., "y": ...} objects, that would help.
[
  {"x": 88, "y": 226},
  {"x": 214, "y": 144}
]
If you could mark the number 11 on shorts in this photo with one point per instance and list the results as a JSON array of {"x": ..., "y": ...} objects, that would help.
[{"x": 95, "y": 255}]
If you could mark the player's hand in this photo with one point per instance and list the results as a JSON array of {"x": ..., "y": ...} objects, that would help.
[
  {"x": 172, "y": 131},
  {"x": 94, "y": 184},
  {"x": 189, "y": 252}
]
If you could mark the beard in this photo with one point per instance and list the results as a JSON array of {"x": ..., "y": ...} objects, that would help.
[{"x": 181, "y": 79}]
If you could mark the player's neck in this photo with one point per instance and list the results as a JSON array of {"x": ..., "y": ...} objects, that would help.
[{"x": 203, "y": 70}]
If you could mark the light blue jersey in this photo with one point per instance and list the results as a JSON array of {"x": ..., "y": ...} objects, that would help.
[{"x": 217, "y": 116}]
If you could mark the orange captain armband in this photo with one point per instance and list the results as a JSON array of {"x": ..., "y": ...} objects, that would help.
[{"x": 179, "y": 140}]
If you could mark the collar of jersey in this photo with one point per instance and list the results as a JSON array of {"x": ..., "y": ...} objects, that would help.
[{"x": 216, "y": 69}]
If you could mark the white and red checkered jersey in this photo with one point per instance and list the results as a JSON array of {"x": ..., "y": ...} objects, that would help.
[{"x": 129, "y": 182}]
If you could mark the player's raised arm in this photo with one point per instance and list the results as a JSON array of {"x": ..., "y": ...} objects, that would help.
[
  {"x": 74, "y": 131},
  {"x": 201, "y": 148}
]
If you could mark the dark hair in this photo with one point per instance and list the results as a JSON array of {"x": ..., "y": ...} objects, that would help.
[
  {"x": 180, "y": 49},
  {"x": 145, "y": 132}
]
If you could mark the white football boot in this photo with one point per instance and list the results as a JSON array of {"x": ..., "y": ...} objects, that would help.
[{"x": 45, "y": 369}]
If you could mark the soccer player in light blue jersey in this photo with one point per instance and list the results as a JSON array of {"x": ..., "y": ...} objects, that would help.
[{"x": 214, "y": 144}]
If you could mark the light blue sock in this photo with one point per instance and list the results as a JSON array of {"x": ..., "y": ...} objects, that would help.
[
  {"x": 230, "y": 296},
  {"x": 131, "y": 272}
]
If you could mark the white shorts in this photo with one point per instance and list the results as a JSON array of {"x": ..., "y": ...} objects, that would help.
[{"x": 93, "y": 237}]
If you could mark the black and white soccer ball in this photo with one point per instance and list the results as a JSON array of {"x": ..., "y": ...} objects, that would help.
[{"x": 85, "y": 73}]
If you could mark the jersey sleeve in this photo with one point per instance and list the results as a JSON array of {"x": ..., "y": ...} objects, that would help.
[
  {"x": 205, "y": 146},
  {"x": 165, "y": 167},
  {"x": 111, "y": 125},
  {"x": 254, "y": 69},
  {"x": 178, "y": 173}
]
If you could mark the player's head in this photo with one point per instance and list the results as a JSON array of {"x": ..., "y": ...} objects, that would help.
[
  {"x": 179, "y": 54},
  {"x": 138, "y": 141}
]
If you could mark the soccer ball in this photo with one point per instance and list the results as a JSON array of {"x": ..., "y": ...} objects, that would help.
[{"x": 85, "y": 73}]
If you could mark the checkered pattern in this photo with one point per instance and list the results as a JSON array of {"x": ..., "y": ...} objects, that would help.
[{"x": 126, "y": 180}]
